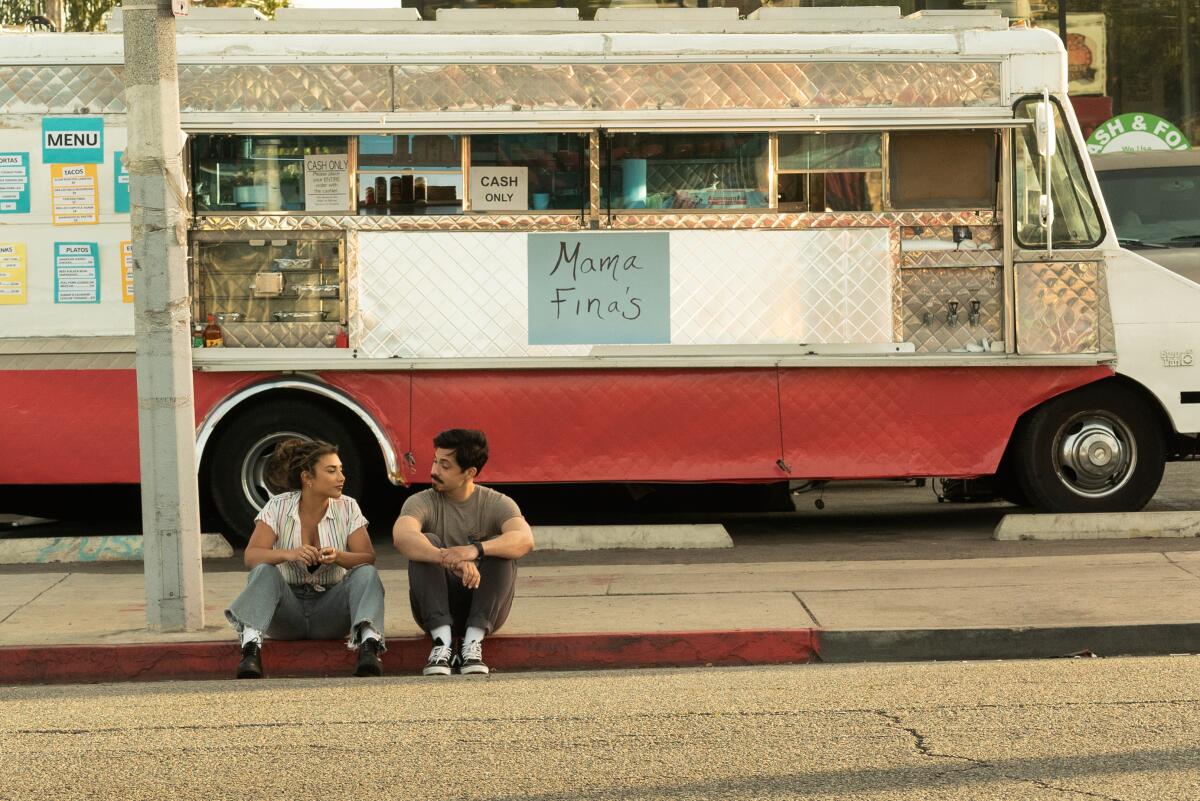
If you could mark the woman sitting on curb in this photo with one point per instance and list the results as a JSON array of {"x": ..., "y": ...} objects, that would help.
[{"x": 313, "y": 574}]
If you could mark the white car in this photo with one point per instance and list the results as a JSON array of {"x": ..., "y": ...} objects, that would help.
[{"x": 1154, "y": 200}]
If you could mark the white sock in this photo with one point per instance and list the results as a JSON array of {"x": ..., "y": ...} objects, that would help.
[
  {"x": 367, "y": 632},
  {"x": 249, "y": 634},
  {"x": 474, "y": 634},
  {"x": 441, "y": 633}
]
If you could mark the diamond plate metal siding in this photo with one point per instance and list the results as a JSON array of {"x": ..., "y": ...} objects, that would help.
[
  {"x": 952, "y": 258},
  {"x": 1058, "y": 307},
  {"x": 930, "y": 290},
  {"x": 279, "y": 335},
  {"x": 743, "y": 287},
  {"x": 203, "y": 87},
  {"x": 607, "y": 425},
  {"x": 946, "y": 421},
  {"x": 285, "y": 87},
  {"x": 648, "y": 87},
  {"x": 570, "y": 222},
  {"x": 62, "y": 89}
]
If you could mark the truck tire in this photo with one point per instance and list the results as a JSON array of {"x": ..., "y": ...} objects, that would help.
[
  {"x": 239, "y": 453},
  {"x": 1097, "y": 449}
]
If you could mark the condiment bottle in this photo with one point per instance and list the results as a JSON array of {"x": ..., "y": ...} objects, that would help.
[
  {"x": 212, "y": 334},
  {"x": 197, "y": 335}
]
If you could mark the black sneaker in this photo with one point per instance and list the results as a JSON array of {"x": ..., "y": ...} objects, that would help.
[
  {"x": 470, "y": 659},
  {"x": 251, "y": 665},
  {"x": 369, "y": 663},
  {"x": 439, "y": 660}
]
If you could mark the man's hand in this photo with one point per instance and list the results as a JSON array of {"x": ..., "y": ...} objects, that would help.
[
  {"x": 308, "y": 554},
  {"x": 468, "y": 572},
  {"x": 451, "y": 557}
]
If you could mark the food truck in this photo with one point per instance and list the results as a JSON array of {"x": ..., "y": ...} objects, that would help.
[{"x": 664, "y": 245}]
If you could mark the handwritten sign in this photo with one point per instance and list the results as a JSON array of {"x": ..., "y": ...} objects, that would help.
[
  {"x": 326, "y": 183},
  {"x": 12, "y": 273},
  {"x": 76, "y": 272},
  {"x": 74, "y": 194},
  {"x": 500, "y": 188},
  {"x": 14, "y": 183},
  {"x": 599, "y": 289}
]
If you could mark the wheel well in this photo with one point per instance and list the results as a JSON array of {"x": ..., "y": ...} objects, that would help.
[
  {"x": 363, "y": 437},
  {"x": 1160, "y": 414}
]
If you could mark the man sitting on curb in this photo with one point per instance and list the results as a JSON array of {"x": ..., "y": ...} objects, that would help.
[{"x": 462, "y": 541}]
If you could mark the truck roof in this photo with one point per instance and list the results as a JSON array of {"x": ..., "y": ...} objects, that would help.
[{"x": 236, "y": 35}]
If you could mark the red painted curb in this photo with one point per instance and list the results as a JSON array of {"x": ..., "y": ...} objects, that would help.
[{"x": 83, "y": 664}]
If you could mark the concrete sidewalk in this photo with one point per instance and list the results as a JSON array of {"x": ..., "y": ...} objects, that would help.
[{"x": 89, "y": 626}]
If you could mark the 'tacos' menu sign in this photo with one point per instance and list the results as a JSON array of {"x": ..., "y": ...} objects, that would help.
[{"x": 599, "y": 289}]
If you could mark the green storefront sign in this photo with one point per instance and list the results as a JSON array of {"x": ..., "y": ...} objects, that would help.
[{"x": 1134, "y": 132}]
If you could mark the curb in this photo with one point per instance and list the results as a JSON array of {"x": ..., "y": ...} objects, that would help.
[
  {"x": 926, "y": 645},
  {"x": 101, "y": 548},
  {"x": 84, "y": 664},
  {"x": 1098, "y": 526}
]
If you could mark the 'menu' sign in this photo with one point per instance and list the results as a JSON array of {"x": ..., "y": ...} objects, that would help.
[{"x": 72, "y": 140}]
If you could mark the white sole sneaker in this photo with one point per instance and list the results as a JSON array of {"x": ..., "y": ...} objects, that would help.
[
  {"x": 476, "y": 670},
  {"x": 436, "y": 670}
]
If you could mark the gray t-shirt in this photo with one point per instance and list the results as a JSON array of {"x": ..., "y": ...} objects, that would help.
[{"x": 479, "y": 516}]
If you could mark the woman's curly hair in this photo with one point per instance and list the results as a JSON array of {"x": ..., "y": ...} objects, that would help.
[{"x": 293, "y": 457}]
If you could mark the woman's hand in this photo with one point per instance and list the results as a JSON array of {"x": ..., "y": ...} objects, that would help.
[
  {"x": 328, "y": 555},
  {"x": 308, "y": 554}
]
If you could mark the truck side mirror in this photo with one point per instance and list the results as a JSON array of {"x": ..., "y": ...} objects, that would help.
[{"x": 1043, "y": 121}]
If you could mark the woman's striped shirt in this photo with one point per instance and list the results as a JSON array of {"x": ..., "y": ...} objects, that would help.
[{"x": 342, "y": 518}]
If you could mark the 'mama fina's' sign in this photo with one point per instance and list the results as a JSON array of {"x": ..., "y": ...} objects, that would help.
[{"x": 72, "y": 140}]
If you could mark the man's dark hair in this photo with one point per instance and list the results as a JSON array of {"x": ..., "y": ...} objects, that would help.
[{"x": 470, "y": 447}]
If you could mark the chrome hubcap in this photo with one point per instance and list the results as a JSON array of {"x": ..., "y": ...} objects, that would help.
[
  {"x": 254, "y": 466},
  {"x": 1094, "y": 454}
]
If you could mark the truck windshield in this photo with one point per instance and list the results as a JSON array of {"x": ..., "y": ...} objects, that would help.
[
  {"x": 1152, "y": 208},
  {"x": 1076, "y": 219}
]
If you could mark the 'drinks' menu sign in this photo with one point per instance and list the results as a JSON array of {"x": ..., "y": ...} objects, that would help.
[{"x": 599, "y": 289}]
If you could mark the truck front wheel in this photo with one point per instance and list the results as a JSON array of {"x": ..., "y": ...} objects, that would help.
[
  {"x": 1097, "y": 449},
  {"x": 237, "y": 470}
]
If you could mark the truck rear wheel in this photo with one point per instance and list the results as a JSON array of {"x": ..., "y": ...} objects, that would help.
[
  {"x": 1097, "y": 449},
  {"x": 236, "y": 478}
]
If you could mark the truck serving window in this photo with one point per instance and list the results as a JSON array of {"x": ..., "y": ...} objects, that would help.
[
  {"x": 831, "y": 172},
  {"x": 1076, "y": 220},
  {"x": 937, "y": 170},
  {"x": 251, "y": 174},
  {"x": 685, "y": 171},
  {"x": 410, "y": 174},
  {"x": 529, "y": 172}
]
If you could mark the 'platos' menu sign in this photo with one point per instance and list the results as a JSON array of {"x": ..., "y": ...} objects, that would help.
[
  {"x": 599, "y": 289},
  {"x": 500, "y": 188}
]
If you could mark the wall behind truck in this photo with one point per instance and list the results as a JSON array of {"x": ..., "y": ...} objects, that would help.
[{"x": 40, "y": 315}]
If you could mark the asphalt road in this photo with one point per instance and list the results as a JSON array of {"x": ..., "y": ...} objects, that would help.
[{"x": 1104, "y": 729}]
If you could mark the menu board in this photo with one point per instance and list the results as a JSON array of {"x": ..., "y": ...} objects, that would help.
[
  {"x": 12, "y": 273},
  {"x": 14, "y": 183},
  {"x": 126, "y": 263},
  {"x": 76, "y": 272},
  {"x": 73, "y": 194}
]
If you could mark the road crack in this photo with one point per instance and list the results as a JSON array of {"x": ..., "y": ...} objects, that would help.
[
  {"x": 34, "y": 598},
  {"x": 920, "y": 742}
]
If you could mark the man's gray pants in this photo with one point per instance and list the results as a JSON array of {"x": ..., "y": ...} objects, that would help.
[
  {"x": 301, "y": 612},
  {"x": 439, "y": 598}
]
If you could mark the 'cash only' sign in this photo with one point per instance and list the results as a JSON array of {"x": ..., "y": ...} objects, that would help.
[{"x": 599, "y": 289}]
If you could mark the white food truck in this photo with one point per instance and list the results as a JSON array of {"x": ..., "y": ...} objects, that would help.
[{"x": 660, "y": 246}]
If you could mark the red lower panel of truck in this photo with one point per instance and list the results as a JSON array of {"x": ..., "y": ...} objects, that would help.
[{"x": 80, "y": 426}]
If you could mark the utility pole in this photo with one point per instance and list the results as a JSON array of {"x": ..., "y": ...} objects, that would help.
[{"x": 162, "y": 311}]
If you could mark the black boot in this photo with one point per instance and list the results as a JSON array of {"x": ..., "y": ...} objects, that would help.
[
  {"x": 369, "y": 663},
  {"x": 251, "y": 665}
]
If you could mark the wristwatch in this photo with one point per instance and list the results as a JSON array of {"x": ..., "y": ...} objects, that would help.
[{"x": 478, "y": 547}]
